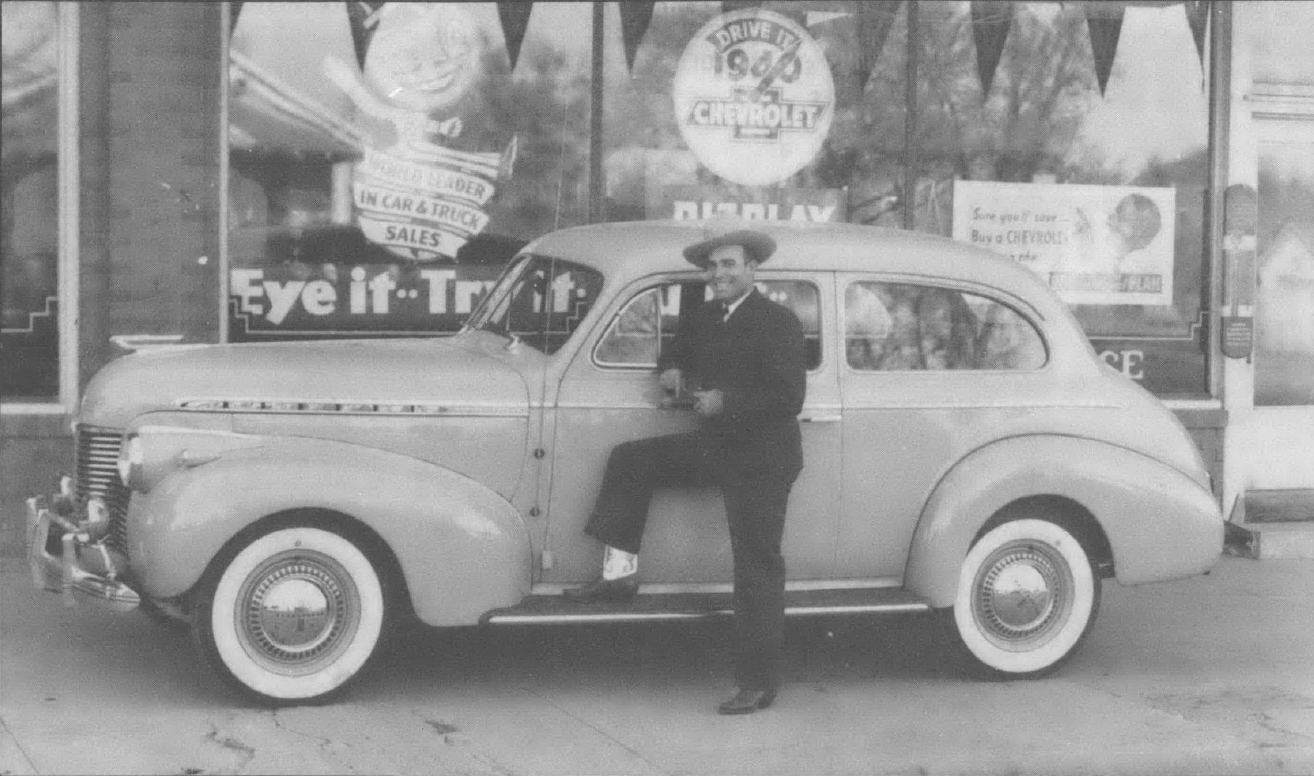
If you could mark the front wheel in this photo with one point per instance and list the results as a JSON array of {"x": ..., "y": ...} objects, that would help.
[
  {"x": 1027, "y": 597},
  {"x": 292, "y": 617}
]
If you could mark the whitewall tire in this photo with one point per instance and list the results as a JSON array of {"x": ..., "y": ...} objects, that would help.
[
  {"x": 292, "y": 617},
  {"x": 1027, "y": 597}
]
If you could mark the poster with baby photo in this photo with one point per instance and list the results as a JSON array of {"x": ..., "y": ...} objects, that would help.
[{"x": 1097, "y": 245}]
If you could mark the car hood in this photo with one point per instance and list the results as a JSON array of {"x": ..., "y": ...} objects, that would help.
[{"x": 342, "y": 371}]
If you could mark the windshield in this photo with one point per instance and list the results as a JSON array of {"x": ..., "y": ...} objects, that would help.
[{"x": 539, "y": 301}]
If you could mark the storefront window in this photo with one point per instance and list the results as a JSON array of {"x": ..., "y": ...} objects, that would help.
[
  {"x": 1098, "y": 187},
  {"x": 387, "y": 160},
  {"x": 29, "y": 256},
  {"x": 1084, "y": 141}
]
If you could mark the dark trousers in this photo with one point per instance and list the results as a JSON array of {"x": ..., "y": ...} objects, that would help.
[{"x": 755, "y": 509}]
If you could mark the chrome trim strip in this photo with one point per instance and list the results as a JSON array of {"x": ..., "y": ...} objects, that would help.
[
  {"x": 800, "y": 585},
  {"x": 856, "y": 609},
  {"x": 790, "y": 611},
  {"x": 984, "y": 405},
  {"x": 568, "y": 619},
  {"x": 338, "y": 406},
  {"x": 813, "y": 408}
]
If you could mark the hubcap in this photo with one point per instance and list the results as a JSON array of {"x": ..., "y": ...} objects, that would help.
[
  {"x": 297, "y": 612},
  {"x": 1022, "y": 595}
]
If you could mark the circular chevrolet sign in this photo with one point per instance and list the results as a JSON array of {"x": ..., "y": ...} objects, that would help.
[{"x": 753, "y": 96}]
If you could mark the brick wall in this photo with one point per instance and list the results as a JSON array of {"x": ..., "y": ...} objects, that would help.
[
  {"x": 34, "y": 449},
  {"x": 150, "y": 144}
]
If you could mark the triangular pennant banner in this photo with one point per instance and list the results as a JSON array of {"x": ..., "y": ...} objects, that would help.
[
  {"x": 874, "y": 23},
  {"x": 990, "y": 22},
  {"x": 515, "y": 20},
  {"x": 635, "y": 17},
  {"x": 364, "y": 19},
  {"x": 1197, "y": 15},
  {"x": 1104, "y": 24}
]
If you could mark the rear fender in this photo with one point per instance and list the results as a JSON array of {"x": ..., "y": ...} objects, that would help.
[
  {"x": 462, "y": 548},
  {"x": 1160, "y": 523}
]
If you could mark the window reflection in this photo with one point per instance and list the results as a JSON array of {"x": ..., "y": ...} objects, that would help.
[
  {"x": 29, "y": 276},
  {"x": 390, "y": 154},
  {"x": 1284, "y": 323}
]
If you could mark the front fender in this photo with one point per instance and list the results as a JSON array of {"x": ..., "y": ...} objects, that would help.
[
  {"x": 463, "y": 549},
  {"x": 1160, "y": 523}
]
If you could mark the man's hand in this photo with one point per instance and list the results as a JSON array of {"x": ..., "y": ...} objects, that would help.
[
  {"x": 671, "y": 380},
  {"x": 709, "y": 403}
]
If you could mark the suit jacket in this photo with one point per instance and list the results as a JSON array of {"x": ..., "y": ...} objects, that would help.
[{"x": 757, "y": 361}]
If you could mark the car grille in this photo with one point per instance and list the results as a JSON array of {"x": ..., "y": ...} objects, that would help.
[{"x": 98, "y": 475}]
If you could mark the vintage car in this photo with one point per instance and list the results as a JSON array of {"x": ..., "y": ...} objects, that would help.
[{"x": 966, "y": 452}]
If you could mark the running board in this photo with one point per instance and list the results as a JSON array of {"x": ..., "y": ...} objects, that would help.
[{"x": 555, "y": 609}]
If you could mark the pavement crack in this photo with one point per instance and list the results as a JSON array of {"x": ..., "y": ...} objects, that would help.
[
  {"x": 324, "y": 743},
  {"x": 1266, "y": 721},
  {"x": 9, "y": 734},
  {"x": 453, "y": 737},
  {"x": 599, "y": 731},
  {"x": 234, "y": 744}
]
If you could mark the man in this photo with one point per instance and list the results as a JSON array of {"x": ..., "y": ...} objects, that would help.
[{"x": 743, "y": 356}]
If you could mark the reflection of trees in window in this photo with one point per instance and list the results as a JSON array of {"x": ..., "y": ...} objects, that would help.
[
  {"x": 901, "y": 327},
  {"x": 545, "y": 104},
  {"x": 1028, "y": 121}
]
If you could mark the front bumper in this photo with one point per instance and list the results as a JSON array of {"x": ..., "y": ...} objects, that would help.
[{"x": 83, "y": 568}]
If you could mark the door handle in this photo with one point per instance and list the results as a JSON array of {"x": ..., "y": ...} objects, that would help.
[{"x": 821, "y": 418}]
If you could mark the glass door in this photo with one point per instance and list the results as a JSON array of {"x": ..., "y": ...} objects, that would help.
[{"x": 1284, "y": 324}]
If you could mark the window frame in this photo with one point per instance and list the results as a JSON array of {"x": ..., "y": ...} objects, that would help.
[{"x": 68, "y": 183}]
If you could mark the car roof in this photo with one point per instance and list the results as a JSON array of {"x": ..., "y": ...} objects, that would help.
[{"x": 637, "y": 248}]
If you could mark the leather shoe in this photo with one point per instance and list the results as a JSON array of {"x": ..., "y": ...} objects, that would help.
[
  {"x": 605, "y": 591},
  {"x": 747, "y": 701}
]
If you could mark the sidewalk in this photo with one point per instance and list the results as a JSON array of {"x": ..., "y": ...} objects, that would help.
[{"x": 1212, "y": 675}]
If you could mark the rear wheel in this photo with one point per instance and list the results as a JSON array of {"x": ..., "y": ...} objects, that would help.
[
  {"x": 292, "y": 617},
  {"x": 1027, "y": 597}
]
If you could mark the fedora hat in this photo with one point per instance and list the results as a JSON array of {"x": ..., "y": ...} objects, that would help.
[{"x": 718, "y": 232}]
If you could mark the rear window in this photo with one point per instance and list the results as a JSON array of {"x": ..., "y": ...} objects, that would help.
[{"x": 904, "y": 326}]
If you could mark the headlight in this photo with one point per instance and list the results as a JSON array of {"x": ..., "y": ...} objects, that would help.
[{"x": 132, "y": 456}]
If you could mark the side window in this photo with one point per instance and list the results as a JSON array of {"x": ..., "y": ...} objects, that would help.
[
  {"x": 648, "y": 322},
  {"x": 804, "y": 300},
  {"x": 900, "y": 326},
  {"x": 636, "y": 335}
]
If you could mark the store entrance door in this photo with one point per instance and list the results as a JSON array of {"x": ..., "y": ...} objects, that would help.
[{"x": 1284, "y": 309}]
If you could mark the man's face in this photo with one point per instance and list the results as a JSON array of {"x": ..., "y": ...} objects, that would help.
[{"x": 729, "y": 272}]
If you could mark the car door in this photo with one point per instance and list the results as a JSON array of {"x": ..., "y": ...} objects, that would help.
[
  {"x": 609, "y": 394},
  {"x": 931, "y": 370}
]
